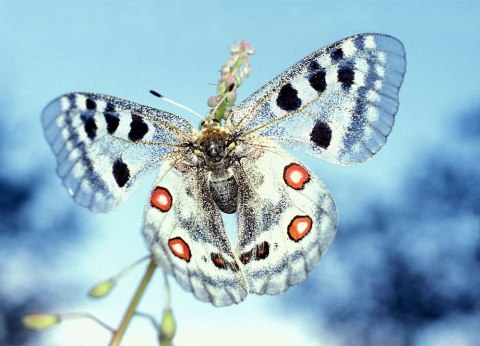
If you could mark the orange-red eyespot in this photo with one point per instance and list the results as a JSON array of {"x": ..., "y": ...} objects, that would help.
[
  {"x": 295, "y": 176},
  {"x": 161, "y": 199},
  {"x": 179, "y": 248},
  {"x": 299, "y": 227},
  {"x": 246, "y": 257},
  {"x": 218, "y": 261},
  {"x": 221, "y": 263}
]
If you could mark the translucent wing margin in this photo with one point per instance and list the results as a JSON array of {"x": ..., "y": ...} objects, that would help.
[
  {"x": 104, "y": 144},
  {"x": 187, "y": 238},
  {"x": 337, "y": 104}
]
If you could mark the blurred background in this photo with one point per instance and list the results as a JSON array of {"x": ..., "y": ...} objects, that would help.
[{"x": 405, "y": 266}]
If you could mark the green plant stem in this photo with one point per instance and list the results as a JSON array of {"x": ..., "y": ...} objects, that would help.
[{"x": 118, "y": 334}]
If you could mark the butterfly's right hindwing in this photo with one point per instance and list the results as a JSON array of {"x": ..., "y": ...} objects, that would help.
[{"x": 104, "y": 144}]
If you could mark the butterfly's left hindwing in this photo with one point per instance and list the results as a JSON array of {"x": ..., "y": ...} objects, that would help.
[
  {"x": 286, "y": 221},
  {"x": 104, "y": 144},
  {"x": 186, "y": 235}
]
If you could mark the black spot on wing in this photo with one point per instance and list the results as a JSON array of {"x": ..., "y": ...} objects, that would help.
[
  {"x": 346, "y": 76},
  {"x": 90, "y": 127},
  {"x": 259, "y": 252},
  {"x": 263, "y": 250},
  {"x": 337, "y": 54},
  {"x": 321, "y": 134},
  {"x": 221, "y": 263},
  {"x": 313, "y": 66},
  {"x": 317, "y": 80},
  {"x": 246, "y": 256},
  {"x": 121, "y": 173},
  {"x": 138, "y": 128},
  {"x": 110, "y": 107},
  {"x": 288, "y": 99},
  {"x": 91, "y": 104},
  {"x": 112, "y": 121}
]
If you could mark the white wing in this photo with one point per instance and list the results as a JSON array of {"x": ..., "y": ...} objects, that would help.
[
  {"x": 104, "y": 144},
  {"x": 186, "y": 235},
  {"x": 337, "y": 104},
  {"x": 286, "y": 219}
]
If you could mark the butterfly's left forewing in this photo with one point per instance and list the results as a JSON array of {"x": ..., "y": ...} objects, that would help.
[{"x": 286, "y": 220}]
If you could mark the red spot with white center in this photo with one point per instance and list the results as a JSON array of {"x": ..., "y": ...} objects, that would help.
[
  {"x": 299, "y": 227},
  {"x": 179, "y": 248},
  {"x": 161, "y": 199},
  {"x": 295, "y": 176}
]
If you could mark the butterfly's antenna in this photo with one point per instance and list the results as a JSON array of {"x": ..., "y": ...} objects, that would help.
[{"x": 160, "y": 96}]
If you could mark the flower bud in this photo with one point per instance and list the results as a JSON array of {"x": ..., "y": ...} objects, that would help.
[
  {"x": 213, "y": 101},
  {"x": 102, "y": 289},
  {"x": 40, "y": 321},
  {"x": 168, "y": 325},
  {"x": 225, "y": 69},
  {"x": 231, "y": 97},
  {"x": 221, "y": 87},
  {"x": 229, "y": 80},
  {"x": 246, "y": 70}
]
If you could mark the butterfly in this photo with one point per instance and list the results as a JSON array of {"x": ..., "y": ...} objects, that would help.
[{"x": 337, "y": 104}]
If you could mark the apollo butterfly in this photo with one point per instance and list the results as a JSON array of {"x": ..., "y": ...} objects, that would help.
[{"x": 337, "y": 104}]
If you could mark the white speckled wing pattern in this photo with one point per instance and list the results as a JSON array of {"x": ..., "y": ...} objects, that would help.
[
  {"x": 186, "y": 235},
  {"x": 336, "y": 104},
  {"x": 286, "y": 221},
  {"x": 104, "y": 145}
]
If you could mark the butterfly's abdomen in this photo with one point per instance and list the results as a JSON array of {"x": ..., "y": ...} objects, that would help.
[{"x": 224, "y": 189}]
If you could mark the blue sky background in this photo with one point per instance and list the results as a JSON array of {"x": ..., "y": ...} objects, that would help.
[{"x": 404, "y": 268}]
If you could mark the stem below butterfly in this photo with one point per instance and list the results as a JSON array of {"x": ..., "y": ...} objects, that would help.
[{"x": 118, "y": 334}]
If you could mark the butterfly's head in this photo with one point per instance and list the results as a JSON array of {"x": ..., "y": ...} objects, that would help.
[{"x": 212, "y": 143}]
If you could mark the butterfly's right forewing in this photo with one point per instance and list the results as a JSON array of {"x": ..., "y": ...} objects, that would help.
[{"x": 104, "y": 144}]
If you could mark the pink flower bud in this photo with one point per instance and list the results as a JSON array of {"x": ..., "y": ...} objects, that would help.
[
  {"x": 213, "y": 101},
  {"x": 229, "y": 80}
]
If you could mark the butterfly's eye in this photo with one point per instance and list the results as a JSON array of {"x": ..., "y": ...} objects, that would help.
[{"x": 202, "y": 123}]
